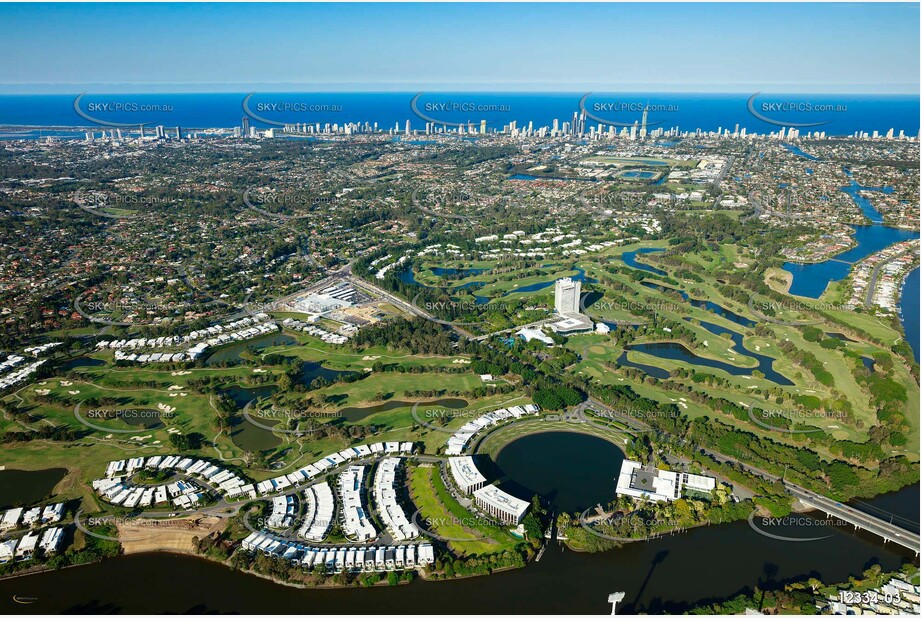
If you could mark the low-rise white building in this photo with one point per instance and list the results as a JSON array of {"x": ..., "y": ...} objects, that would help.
[
  {"x": 502, "y": 506},
  {"x": 465, "y": 474},
  {"x": 646, "y": 482}
]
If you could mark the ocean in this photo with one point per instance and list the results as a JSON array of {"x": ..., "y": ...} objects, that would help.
[{"x": 834, "y": 114}]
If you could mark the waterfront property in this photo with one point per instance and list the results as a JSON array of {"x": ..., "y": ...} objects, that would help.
[
  {"x": 335, "y": 559},
  {"x": 650, "y": 483},
  {"x": 458, "y": 442},
  {"x": 504, "y": 507},
  {"x": 465, "y": 474}
]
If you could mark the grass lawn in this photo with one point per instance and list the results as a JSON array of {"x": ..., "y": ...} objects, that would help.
[{"x": 446, "y": 517}]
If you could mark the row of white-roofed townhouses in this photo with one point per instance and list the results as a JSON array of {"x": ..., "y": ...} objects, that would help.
[
  {"x": 118, "y": 489},
  {"x": 326, "y": 464},
  {"x": 18, "y": 376},
  {"x": 319, "y": 509},
  {"x": 241, "y": 330},
  {"x": 38, "y": 350},
  {"x": 338, "y": 559},
  {"x": 283, "y": 510},
  {"x": 458, "y": 442},
  {"x": 11, "y": 361},
  {"x": 316, "y": 331},
  {"x": 356, "y": 521},
  {"x": 34, "y": 517},
  {"x": 385, "y": 497},
  {"x": 49, "y": 541}
]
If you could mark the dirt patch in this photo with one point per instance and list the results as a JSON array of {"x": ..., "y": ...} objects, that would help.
[{"x": 174, "y": 535}]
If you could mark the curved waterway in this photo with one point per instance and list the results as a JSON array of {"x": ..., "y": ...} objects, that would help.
[
  {"x": 810, "y": 280},
  {"x": 629, "y": 259},
  {"x": 910, "y": 309},
  {"x": 706, "y": 305},
  {"x": 665, "y": 575},
  {"x": 678, "y": 352}
]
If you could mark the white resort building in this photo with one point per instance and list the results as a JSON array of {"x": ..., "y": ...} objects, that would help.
[
  {"x": 504, "y": 507},
  {"x": 646, "y": 482},
  {"x": 465, "y": 474}
]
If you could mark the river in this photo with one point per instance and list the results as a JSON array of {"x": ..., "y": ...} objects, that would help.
[{"x": 665, "y": 575}]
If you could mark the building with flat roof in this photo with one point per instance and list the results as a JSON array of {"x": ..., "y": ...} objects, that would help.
[
  {"x": 504, "y": 507},
  {"x": 355, "y": 521},
  {"x": 465, "y": 474},
  {"x": 572, "y": 324},
  {"x": 650, "y": 483},
  {"x": 534, "y": 333}
]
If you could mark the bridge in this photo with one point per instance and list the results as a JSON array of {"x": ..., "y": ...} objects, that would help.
[
  {"x": 860, "y": 520},
  {"x": 886, "y": 530}
]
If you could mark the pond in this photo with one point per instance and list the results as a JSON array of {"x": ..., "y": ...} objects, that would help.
[
  {"x": 570, "y": 471},
  {"x": 25, "y": 487},
  {"x": 249, "y": 437},
  {"x": 82, "y": 361},
  {"x": 231, "y": 352},
  {"x": 355, "y": 413},
  {"x": 678, "y": 352}
]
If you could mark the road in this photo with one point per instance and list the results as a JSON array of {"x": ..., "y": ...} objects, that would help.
[
  {"x": 871, "y": 286},
  {"x": 882, "y": 528}
]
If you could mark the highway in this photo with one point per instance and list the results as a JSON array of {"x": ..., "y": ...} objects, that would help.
[{"x": 888, "y": 531}]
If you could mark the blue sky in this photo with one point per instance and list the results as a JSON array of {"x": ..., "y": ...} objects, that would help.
[{"x": 794, "y": 47}]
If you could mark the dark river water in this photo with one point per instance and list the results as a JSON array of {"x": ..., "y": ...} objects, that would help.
[
  {"x": 667, "y": 574},
  {"x": 571, "y": 472}
]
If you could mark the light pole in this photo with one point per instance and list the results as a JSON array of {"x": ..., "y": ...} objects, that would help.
[{"x": 613, "y": 598}]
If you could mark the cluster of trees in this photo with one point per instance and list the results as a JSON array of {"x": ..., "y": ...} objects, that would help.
[
  {"x": 799, "y": 597},
  {"x": 464, "y": 566},
  {"x": 186, "y": 441},
  {"x": 58, "y": 433},
  {"x": 415, "y": 335}
]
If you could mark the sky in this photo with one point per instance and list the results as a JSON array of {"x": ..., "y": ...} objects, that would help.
[{"x": 675, "y": 47}]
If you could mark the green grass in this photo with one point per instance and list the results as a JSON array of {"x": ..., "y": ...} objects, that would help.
[{"x": 446, "y": 517}]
